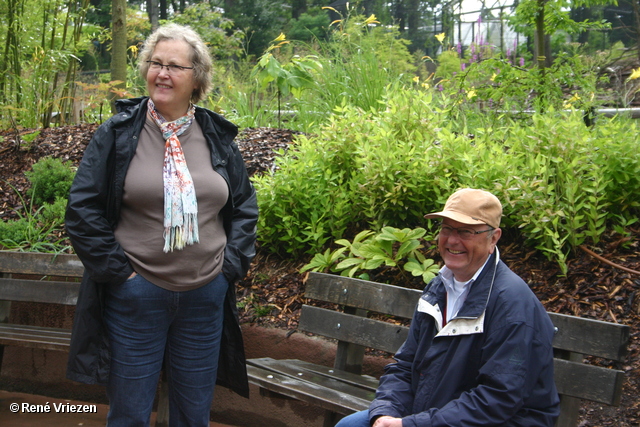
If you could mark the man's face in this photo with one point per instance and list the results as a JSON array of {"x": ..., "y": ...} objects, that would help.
[{"x": 465, "y": 256}]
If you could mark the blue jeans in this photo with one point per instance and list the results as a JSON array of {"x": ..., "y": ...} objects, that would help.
[
  {"x": 358, "y": 419},
  {"x": 147, "y": 324}
]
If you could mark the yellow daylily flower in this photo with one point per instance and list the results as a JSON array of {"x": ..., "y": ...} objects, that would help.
[
  {"x": 440, "y": 37},
  {"x": 416, "y": 79},
  {"x": 568, "y": 103},
  {"x": 635, "y": 74},
  {"x": 280, "y": 38},
  {"x": 493, "y": 77},
  {"x": 371, "y": 20},
  {"x": 471, "y": 93}
]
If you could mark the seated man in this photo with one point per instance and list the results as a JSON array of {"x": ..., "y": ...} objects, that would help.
[{"x": 479, "y": 348}]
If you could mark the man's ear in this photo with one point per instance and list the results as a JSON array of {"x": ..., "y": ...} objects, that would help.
[{"x": 495, "y": 236}]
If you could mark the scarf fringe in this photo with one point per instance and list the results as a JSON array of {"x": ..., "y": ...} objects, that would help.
[{"x": 178, "y": 236}]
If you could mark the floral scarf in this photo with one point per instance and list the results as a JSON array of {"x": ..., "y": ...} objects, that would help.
[{"x": 180, "y": 202}]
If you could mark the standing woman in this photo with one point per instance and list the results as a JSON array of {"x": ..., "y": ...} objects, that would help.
[{"x": 163, "y": 216}]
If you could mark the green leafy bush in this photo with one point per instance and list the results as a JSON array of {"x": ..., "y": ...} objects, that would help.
[
  {"x": 50, "y": 178},
  {"x": 561, "y": 183}
]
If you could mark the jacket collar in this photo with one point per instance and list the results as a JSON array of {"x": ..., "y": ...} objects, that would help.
[{"x": 480, "y": 291}]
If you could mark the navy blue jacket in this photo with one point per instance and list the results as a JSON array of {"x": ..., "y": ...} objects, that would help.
[
  {"x": 92, "y": 215},
  {"x": 492, "y": 365}
]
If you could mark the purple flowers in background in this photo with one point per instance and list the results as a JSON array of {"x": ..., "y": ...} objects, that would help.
[{"x": 480, "y": 48}]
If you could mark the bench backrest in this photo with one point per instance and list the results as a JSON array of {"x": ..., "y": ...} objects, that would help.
[
  {"x": 39, "y": 289},
  {"x": 575, "y": 337}
]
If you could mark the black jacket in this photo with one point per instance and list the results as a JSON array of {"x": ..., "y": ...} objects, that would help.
[{"x": 92, "y": 215}]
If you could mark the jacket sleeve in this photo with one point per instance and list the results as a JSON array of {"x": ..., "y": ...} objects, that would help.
[
  {"x": 394, "y": 396},
  {"x": 90, "y": 215},
  {"x": 241, "y": 237}
]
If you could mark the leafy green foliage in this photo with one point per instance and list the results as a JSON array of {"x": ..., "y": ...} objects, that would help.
[
  {"x": 309, "y": 27},
  {"x": 35, "y": 229},
  {"x": 391, "y": 248},
  {"x": 50, "y": 179},
  {"x": 561, "y": 183},
  {"x": 218, "y": 32}
]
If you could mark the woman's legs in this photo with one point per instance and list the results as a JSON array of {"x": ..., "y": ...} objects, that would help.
[
  {"x": 192, "y": 354},
  {"x": 358, "y": 419},
  {"x": 137, "y": 323},
  {"x": 145, "y": 323}
]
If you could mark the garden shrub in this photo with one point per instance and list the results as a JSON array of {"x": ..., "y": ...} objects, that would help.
[
  {"x": 50, "y": 178},
  {"x": 562, "y": 183}
]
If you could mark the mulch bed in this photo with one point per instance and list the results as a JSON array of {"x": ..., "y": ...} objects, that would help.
[{"x": 271, "y": 294}]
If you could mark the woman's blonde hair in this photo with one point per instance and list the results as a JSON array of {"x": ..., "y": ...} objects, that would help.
[{"x": 200, "y": 57}]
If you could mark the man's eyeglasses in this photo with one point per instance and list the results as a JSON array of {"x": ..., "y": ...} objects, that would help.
[
  {"x": 463, "y": 233},
  {"x": 171, "y": 68}
]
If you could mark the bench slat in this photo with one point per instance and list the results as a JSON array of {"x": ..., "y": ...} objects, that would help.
[
  {"x": 378, "y": 297},
  {"x": 365, "y": 381},
  {"x": 589, "y": 382},
  {"x": 40, "y": 264},
  {"x": 39, "y": 291},
  {"x": 323, "y": 397},
  {"x": 363, "y": 386},
  {"x": 592, "y": 337},
  {"x": 35, "y": 337},
  {"x": 355, "y": 329}
]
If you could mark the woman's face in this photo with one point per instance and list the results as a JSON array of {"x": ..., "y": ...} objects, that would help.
[{"x": 171, "y": 90}]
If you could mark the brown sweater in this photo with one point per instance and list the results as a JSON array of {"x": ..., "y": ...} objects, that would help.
[{"x": 140, "y": 228}]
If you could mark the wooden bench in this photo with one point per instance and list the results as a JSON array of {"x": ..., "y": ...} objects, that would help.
[
  {"x": 342, "y": 389},
  {"x": 42, "y": 290}
]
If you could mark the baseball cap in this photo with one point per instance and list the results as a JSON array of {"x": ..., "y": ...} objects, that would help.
[{"x": 471, "y": 206}]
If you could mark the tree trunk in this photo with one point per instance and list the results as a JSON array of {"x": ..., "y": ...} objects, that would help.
[
  {"x": 152, "y": 10},
  {"x": 635, "y": 4},
  {"x": 298, "y": 7},
  {"x": 413, "y": 19},
  {"x": 118, "y": 47},
  {"x": 399, "y": 13},
  {"x": 540, "y": 49},
  {"x": 163, "y": 9}
]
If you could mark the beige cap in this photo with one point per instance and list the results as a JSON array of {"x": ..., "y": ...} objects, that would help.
[{"x": 471, "y": 206}]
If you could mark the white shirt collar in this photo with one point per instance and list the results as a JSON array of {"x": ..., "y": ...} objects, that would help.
[{"x": 457, "y": 291}]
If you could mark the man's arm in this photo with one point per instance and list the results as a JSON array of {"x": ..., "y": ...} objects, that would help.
[{"x": 394, "y": 396}]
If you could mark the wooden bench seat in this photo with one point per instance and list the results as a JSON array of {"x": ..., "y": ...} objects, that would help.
[
  {"x": 45, "y": 291},
  {"x": 342, "y": 390}
]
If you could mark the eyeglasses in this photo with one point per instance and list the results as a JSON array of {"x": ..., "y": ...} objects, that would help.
[
  {"x": 463, "y": 233},
  {"x": 171, "y": 68}
]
